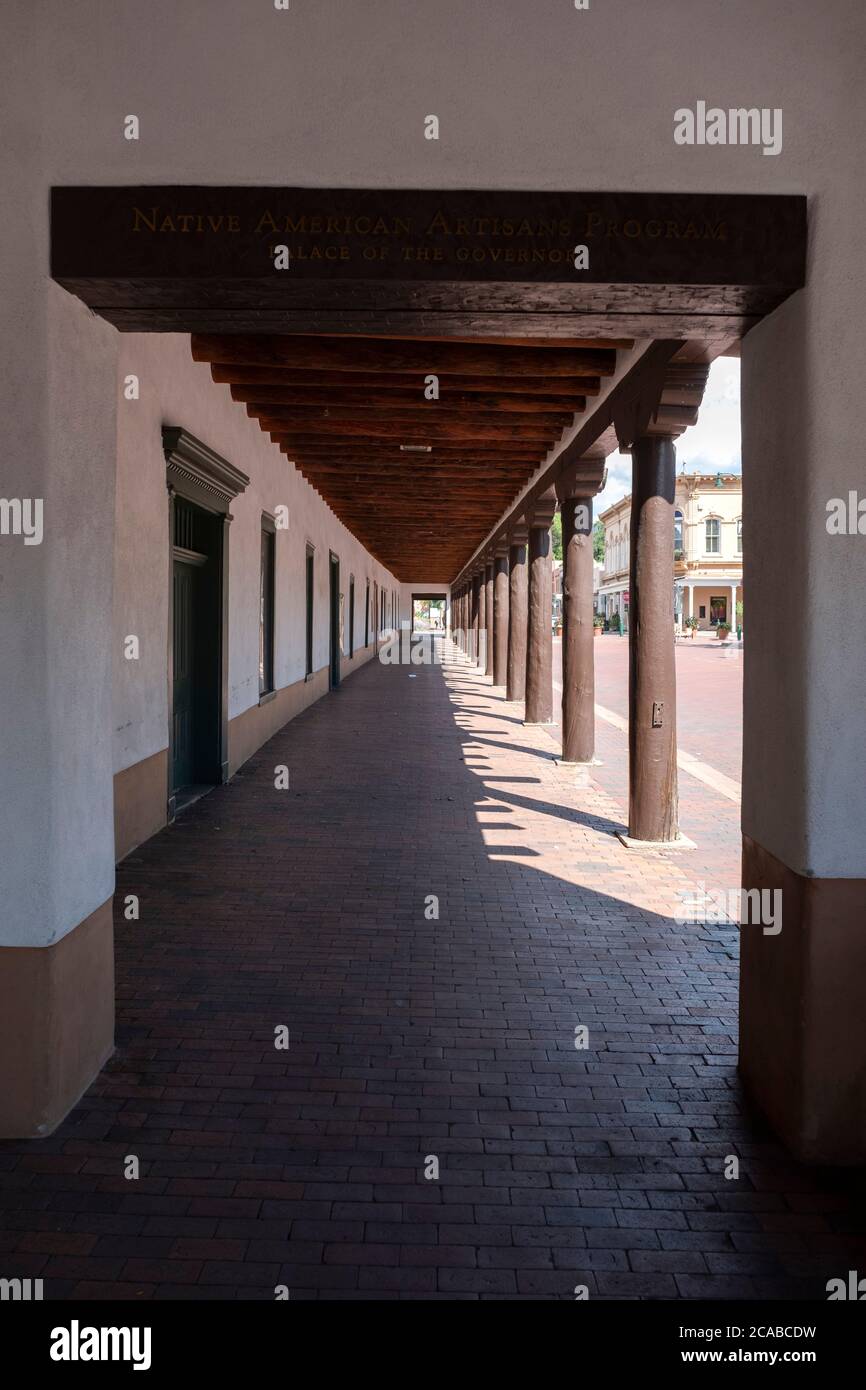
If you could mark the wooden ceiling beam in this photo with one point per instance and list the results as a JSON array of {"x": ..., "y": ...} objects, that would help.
[
  {"x": 228, "y": 374},
  {"x": 422, "y": 417},
  {"x": 484, "y": 450},
  {"x": 462, "y": 402},
  {"x": 513, "y": 340},
  {"x": 399, "y": 355},
  {"x": 407, "y": 433}
]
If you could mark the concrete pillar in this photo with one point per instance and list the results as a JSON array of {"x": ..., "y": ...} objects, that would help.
[
  {"x": 539, "y": 634},
  {"x": 488, "y": 608},
  {"x": 578, "y": 652},
  {"x": 515, "y": 679},
  {"x": 802, "y": 1020},
  {"x": 500, "y": 616},
  {"x": 652, "y": 676},
  {"x": 732, "y": 617}
]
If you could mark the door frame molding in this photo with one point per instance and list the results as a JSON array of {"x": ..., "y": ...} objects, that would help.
[
  {"x": 334, "y": 663},
  {"x": 197, "y": 473}
]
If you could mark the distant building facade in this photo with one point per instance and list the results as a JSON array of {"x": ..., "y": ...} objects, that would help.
[{"x": 707, "y": 562}]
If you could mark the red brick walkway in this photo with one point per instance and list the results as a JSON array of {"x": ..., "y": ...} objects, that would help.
[{"x": 413, "y": 1039}]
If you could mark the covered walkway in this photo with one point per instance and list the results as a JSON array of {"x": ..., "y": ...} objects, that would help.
[{"x": 415, "y": 1037}]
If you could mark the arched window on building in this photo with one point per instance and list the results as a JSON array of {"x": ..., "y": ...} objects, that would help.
[
  {"x": 678, "y": 535},
  {"x": 739, "y": 535},
  {"x": 713, "y": 535}
]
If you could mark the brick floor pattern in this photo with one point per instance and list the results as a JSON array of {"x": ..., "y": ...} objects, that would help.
[{"x": 415, "y": 1037}]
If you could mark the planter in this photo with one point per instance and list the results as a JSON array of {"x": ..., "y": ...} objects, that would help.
[{"x": 723, "y": 634}]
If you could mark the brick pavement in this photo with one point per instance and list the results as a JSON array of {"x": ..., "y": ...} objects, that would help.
[
  {"x": 413, "y": 1038},
  {"x": 709, "y": 727}
]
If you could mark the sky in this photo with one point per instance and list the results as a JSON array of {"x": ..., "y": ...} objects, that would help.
[{"x": 710, "y": 446}]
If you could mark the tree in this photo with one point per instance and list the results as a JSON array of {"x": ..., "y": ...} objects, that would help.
[
  {"x": 598, "y": 542},
  {"x": 556, "y": 536}
]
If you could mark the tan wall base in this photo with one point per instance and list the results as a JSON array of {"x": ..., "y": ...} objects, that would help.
[
  {"x": 802, "y": 1013},
  {"x": 362, "y": 655},
  {"x": 141, "y": 791},
  {"x": 248, "y": 731},
  {"x": 140, "y": 797},
  {"x": 56, "y": 1024}
]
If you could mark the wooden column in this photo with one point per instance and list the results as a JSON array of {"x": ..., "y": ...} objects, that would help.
[
  {"x": 515, "y": 679},
  {"x": 488, "y": 589},
  {"x": 500, "y": 616},
  {"x": 578, "y": 652},
  {"x": 539, "y": 636},
  {"x": 476, "y": 616},
  {"x": 652, "y": 676},
  {"x": 481, "y": 647}
]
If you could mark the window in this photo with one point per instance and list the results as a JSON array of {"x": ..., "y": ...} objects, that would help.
[
  {"x": 739, "y": 535},
  {"x": 351, "y": 615},
  {"x": 367, "y": 615},
  {"x": 714, "y": 535},
  {"x": 266, "y": 607},
  {"x": 678, "y": 535},
  {"x": 309, "y": 665},
  {"x": 702, "y": 611}
]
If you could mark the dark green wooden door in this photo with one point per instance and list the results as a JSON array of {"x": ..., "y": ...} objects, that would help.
[
  {"x": 334, "y": 623},
  {"x": 183, "y": 741}
]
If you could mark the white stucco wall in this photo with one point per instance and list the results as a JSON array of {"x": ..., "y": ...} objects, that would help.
[
  {"x": 529, "y": 95},
  {"x": 177, "y": 391},
  {"x": 422, "y": 586}
]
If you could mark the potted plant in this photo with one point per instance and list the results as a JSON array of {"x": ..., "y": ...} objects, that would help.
[
  {"x": 614, "y": 623},
  {"x": 597, "y": 625},
  {"x": 739, "y": 607},
  {"x": 723, "y": 631},
  {"x": 692, "y": 625}
]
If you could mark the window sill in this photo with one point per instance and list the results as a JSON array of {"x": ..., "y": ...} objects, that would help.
[{"x": 266, "y": 698}]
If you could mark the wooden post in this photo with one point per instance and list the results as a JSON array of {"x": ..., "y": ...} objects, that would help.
[
  {"x": 500, "y": 616},
  {"x": 539, "y": 638},
  {"x": 481, "y": 647},
  {"x": 476, "y": 616},
  {"x": 652, "y": 725},
  {"x": 515, "y": 680},
  {"x": 488, "y": 608},
  {"x": 578, "y": 652}
]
